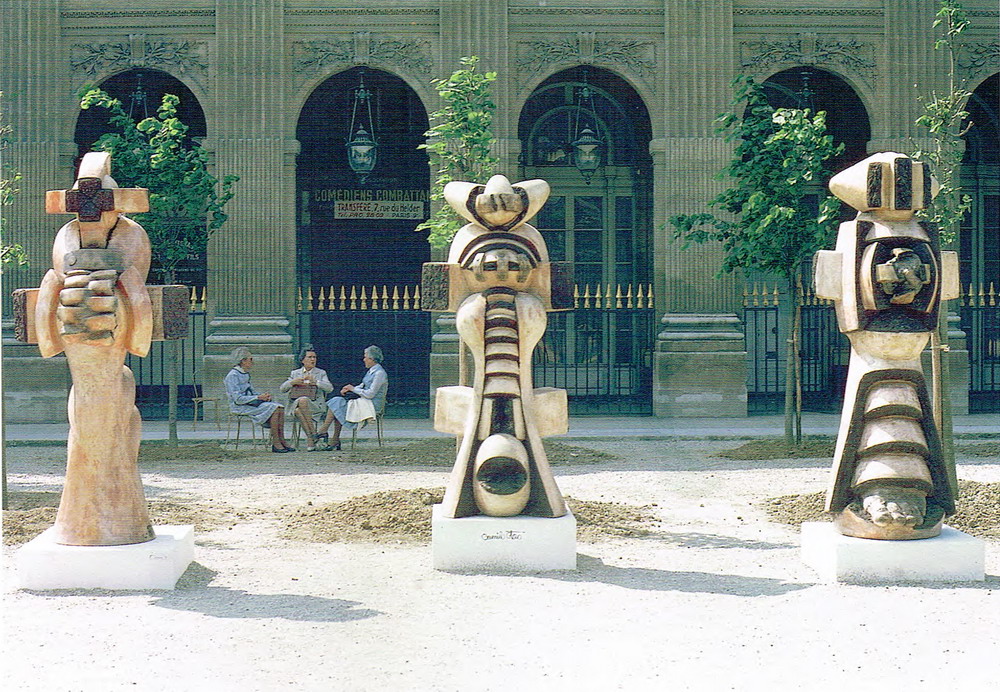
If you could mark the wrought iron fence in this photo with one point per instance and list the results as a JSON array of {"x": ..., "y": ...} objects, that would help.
[
  {"x": 823, "y": 348},
  {"x": 341, "y": 321},
  {"x": 151, "y": 372},
  {"x": 980, "y": 320},
  {"x": 601, "y": 352}
]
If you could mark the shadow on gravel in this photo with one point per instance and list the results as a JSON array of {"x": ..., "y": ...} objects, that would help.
[
  {"x": 194, "y": 594},
  {"x": 712, "y": 540},
  {"x": 592, "y": 569}
]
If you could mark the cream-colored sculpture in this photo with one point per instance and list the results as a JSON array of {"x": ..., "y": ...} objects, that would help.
[
  {"x": 888, "y": 278},
  {"x": 499, "y": 281},
  {"x": 94, "y": 305}
]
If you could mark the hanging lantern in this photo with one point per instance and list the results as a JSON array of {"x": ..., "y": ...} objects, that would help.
[
  {"x": 586, "y": 146},
  {"x": 362, "y": 147}
]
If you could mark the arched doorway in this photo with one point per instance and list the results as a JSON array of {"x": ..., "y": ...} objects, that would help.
[
  {"x": 599, "y": 218},
  {"x": 979, "y": 251},
  {"x": 355, "y": 227},
  {"x": 141, "y": 92},
  {"x": 824, "y": 349}
]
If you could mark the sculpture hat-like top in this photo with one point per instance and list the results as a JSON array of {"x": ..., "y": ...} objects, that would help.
[
  {"x": 889, "y": 184},
  {"x": 96, "y": 199},
  {"x": 498, "y": 205}
]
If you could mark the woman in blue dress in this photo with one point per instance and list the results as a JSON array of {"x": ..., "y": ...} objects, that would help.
[
  {"x": 374, "y": 386},
  {"x": 244, "y": 400}
]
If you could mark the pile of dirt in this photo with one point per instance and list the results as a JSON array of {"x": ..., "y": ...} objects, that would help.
[
  {"x": 398, "y": 516},
  {"x": 988, "y": 450},
  {"x": 978, "y": 509},
  {"x": 30, "y": 513},
  {"x": 811, "y": 448},
  {"x": 435, "y": 451},
  {"x": 440, "y": 451}
]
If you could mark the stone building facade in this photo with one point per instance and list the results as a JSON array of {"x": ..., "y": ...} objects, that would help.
[{"x": 272, "y": 85}]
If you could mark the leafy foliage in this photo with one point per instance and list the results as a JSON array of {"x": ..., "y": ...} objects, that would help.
[
  {"x": 185, "y": 201},
  {"x": 460, "y": 142},
  {"x": 12, "y": 253},
  {"x": 946, "y": 121},
  {"x": 776, "y": 166}
]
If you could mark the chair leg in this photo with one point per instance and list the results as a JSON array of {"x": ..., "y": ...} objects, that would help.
[
  {"x": 378, "y": 429},
  {"x": 194, "y": 419}
]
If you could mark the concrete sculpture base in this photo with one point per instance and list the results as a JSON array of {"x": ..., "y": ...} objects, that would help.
[
  {"x": 952, "y": 556},
  {"x": 43, "y": 564},
  {"x": 503, "y": 544}
]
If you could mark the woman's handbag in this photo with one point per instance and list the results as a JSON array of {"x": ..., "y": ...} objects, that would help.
[
  {"x": 299, "y": 390},
  {"x": 360, "y": 409}
]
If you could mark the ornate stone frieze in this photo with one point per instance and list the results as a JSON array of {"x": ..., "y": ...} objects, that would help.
[
  {"x": 976, "y": 58},
  {"x": 139, "y": 50},
  {"x": 816, "y": 11},
  {"x": 809, "y": 49},
  {"x": 635, "y": 55},
  {"x": 362, "y": 48}
]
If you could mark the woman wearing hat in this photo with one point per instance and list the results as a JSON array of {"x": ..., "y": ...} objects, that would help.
[{"x": 244, "y": 400}]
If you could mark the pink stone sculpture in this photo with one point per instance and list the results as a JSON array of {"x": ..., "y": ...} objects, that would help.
[{"x": 93, "y": 305}]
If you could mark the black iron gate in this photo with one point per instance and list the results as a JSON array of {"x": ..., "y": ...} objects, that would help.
[
  {"x": 601, "y": 352},
  {"x": 825, "y": 352},
  {"x": 980, "y": 320},
  {"x": 341, "y": 323}
]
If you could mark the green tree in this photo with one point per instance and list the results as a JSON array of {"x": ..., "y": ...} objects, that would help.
[
  {"x": 460, "y": 142},
  {"x": 9, "y": 253},
  {"x": 185, "y": 201},
  {"x": 945, "y": 120},
  {"x": 770, "y": 222}
]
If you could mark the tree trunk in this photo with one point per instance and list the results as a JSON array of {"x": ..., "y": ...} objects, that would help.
[
  {"x": 940, "y": 398},
  {"x": 171, "y": 367},
  {"x": 789, "y": 329},
  {"x": 797, "y": 352}
]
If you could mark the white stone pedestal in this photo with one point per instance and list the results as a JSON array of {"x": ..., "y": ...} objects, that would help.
[
  {"x": 952, "y": 556},
  {"x": 503, "y": 544},
  {"x": 43, "y": 564}
]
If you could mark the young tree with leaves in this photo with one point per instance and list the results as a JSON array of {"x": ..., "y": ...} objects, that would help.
[
  {"x": 12, "y": 253},
  {"x": 460, "y": 142},
  {"x": 945, "y": 119},
  {"x": 185, "y": 201},
  {"x": 770, "y": 224}
]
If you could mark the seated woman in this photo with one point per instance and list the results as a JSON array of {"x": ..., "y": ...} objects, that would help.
[
  {"x": 243, "y": 399},
  {"x": 374, "y": 386},
  {"x": 315, "y": 385}
]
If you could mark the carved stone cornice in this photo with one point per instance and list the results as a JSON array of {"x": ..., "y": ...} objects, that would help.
[
  {"x": 586, "y": 48},
  {"x": 976, "y": 58},
  {"x": 112, "y": 14},
  {"x": 587, "y": 10},
  {"x": 852, "y": 55},
  {"x": 810, "y": 12},
  {"x": 139, "y": 50},
  {"x": 362, "y": 48}
]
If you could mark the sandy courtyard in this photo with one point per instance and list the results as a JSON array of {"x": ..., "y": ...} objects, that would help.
[{"x": 712, "y": 597}]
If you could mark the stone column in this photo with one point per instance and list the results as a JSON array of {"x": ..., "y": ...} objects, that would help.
[
  {"x": 36, "y": 86},
  {"x": 251, "y": 278},
  {"x": 700, "y": 367}
]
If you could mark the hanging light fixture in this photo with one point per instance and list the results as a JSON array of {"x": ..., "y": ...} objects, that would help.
[
  {"x": 361, "y": 148},
  {"x": 586, "y": 145},
  {"x": 138, "y": 104}
]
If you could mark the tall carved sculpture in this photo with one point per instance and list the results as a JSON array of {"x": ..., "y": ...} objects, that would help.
[
  {"x": 94, "y": 305},
  {"x": 499, "y": 281},
  {"x": 888, "y": 278}
]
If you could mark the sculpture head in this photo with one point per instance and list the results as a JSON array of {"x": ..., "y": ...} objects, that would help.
[
  {"x": 890, "y": 185},
  {"x": 498, "y": 205}
]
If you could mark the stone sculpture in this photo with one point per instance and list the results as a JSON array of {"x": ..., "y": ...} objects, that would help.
[
  {"x": 888, "y": 278},
  {"x": 94, "y": 305},
  {"x": 499, "y": 281}
]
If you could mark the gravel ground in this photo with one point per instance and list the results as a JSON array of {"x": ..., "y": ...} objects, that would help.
[{"x": 683, "y": 583}]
